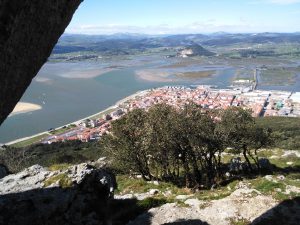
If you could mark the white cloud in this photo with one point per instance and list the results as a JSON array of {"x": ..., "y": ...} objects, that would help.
[
  {"x": 208, "y": 26},
  {"x": 276, "y": 2},
  {"x": 284, "y": 2}
]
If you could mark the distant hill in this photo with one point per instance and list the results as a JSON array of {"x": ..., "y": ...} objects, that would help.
[
  {"x": 126, "y": 43},
  {"x": 195, "y": 50},
  {"x": 260, "y": 38}
]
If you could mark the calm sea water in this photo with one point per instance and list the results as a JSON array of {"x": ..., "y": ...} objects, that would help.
[{"x": 68, "y": 99}]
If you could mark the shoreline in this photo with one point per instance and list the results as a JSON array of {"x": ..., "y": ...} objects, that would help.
[
  {"x": 98, "y": 114},
  {"x": 78, "y": 121}
]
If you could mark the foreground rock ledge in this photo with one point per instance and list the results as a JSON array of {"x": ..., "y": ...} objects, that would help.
[
  {"x": 77, "y": 195},
  {"x": 243, "y": 206}
]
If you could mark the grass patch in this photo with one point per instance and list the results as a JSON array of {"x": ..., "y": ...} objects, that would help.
[
  {"x": 128, "y": 185},
  {"x": 278, "y": 76},
  {"x": 30, "y": 141},
  {"x": 266, "y": 186},
  {"x": 182, "y": 204},
  {"x": 61, "y": 130},
  {"x": 63, "y": 180},
  {"x": 62, "y": 166},
  {"x": 242, "y": 221},
  {"x": 207, "y": 195},
  {"x": 149, "y": 203}
]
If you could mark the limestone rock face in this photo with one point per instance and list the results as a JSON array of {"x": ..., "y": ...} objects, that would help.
[
  {"x": 3, "y": 171},
  {"x": 77, "y": 195},
  {"x": 29, "y": 29}
]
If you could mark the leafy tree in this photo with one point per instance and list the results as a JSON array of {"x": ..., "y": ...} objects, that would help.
[
  {"x": 161, "y": 139},
  {"x": 183, "y": 144},
  {"x": 127, "y": 144},
  {"x": 239, "y": 131}
]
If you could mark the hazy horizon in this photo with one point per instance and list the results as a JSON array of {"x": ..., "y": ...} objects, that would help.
[
  {"x": 156, "y": 34},
  {"x": 185, "y": 17}
]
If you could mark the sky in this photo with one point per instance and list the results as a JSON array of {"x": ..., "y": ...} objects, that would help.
[{"x": 185, "y": 16}]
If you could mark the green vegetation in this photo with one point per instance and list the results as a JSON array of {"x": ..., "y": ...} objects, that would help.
[
  {"x": 183, "y": 146},
  {"x": 278, "y": 76},
  {"x": 127, "y": 185},
  {"x": 285, "y": 130},
  {"x": 29, "y": 141},
  {"x": 275, "y": 187},
  {"x": 60, "y": 131},
  {"x": 70, "y": 152},
  {"x": 240, "y": 222},
  {"x": 63, "y": 180},
  {"x": 266, "y": 186},
  {"x": 62, "y": 166},
  {"x": 149, "y": 203}
]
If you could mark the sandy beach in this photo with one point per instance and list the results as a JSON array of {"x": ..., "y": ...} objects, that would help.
[
  {"x": 43, "y": 80},
  {"x": 24, "y": 107}
]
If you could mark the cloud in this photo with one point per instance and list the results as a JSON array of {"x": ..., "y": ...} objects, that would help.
[
  {"x": 278, "y": 2},
  {"x": 207, "y": 26},
  {"x": 196, "y": 27},
  {"x": 242, "y": 25},
  {"x": 284, "y": 2}
]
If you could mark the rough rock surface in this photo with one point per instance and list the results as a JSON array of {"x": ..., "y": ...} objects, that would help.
[
  {"x": 243, "y": 203},
  {"x": 29, "y": 29},
  {"x": 38, "y": 196}
]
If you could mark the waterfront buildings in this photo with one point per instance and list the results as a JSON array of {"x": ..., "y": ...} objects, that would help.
[{"x": 260, "y": 102}]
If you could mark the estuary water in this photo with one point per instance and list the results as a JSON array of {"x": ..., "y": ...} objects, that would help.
[{"x": 70, "y": 91}]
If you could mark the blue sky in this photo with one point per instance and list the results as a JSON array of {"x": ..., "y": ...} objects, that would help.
[{"x": 185, "y": 16}]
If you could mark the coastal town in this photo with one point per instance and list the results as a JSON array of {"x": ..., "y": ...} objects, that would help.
[{"x": 261, "y": 102}]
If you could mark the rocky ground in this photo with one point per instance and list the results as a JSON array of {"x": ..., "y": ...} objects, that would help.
[
  {"x": 269, "y": 199},
  {"x": 243, "y": 206},
  {"x": 75, "y": 195},
  {"x": 81, "y": 194}
]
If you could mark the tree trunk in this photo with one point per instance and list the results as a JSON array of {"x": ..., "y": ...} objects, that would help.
[{"x": 247, "y": 159}]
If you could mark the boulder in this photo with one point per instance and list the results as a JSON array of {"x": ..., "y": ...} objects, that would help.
[
  {"x": 265, "y": 164},
  {"x": 3, "y": 171},
  {"x": 236, "y": 165},
  {"x": 78, "y": 195},
  {"x": 153, "y": 191}
]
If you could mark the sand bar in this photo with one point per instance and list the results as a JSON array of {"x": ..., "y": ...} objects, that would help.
[
  {"x": 86, "y": 74},
  {"x": 154, "y": 75},
  {"x": 24, "y": 107}
]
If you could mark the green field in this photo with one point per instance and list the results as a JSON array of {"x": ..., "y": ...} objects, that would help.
[
  {"x": 278, "y": 76},
  {"x": 29, "y": 141}
]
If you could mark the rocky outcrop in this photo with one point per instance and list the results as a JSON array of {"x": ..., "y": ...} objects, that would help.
[
  {"x": 77, "y": 195},
  {"x": 29, "y": 29},
  {"x": 3, "y": 171}
]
